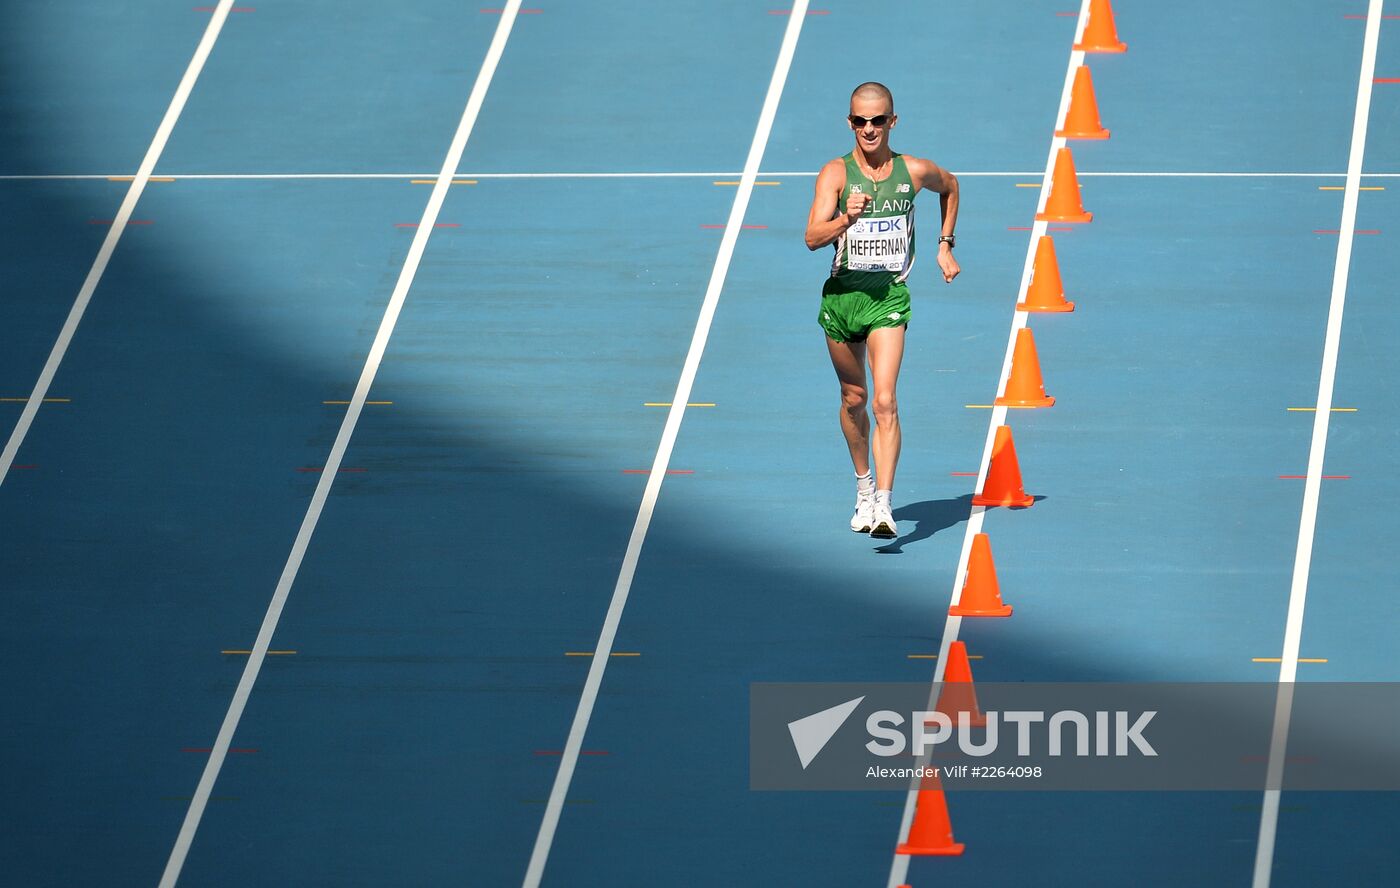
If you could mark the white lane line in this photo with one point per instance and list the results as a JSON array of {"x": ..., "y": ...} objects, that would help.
[
  {"x": 599, "y": 664},
  {"x": 1312, "y": 486},
  {"x": 899, "y": 864},
  {"x": 791, "y": 174},
  {"x": 114, "y": 234},
  {"x": 337, "y": 453}
]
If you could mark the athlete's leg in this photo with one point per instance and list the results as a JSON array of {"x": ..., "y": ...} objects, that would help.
[
  {"x": 886, "y": 352},
  {"x": 848, "y": 358}
]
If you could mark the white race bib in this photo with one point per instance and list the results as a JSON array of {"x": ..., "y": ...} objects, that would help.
[{"x": 878, "y": 244}]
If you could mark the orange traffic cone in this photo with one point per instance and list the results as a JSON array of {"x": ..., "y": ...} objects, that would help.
[
  {"x": 958, "y": 694},
  {"x": 1045, "y": 292},
  {"x": 981, "y": 596},
  {"x": 932, "y": 830},
  {"x": 1100, "y": 34},
  {"x": 1024, "y": 387},
  {"x": 1082, "y": 118},
  {"x": 1003, "y": 486},
  {"x": 1063, "y": 204}
]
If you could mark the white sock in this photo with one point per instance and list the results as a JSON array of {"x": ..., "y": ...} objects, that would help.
[
  {"x": 882, "y": 498},
  {"x": 865, "y": 484}
]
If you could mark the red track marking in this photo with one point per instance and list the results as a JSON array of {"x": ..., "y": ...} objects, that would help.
[
  {"x": 751, "y": 227},
  {"x": 1386, "y": 80},
  {"x": 1324, "y": 477},
  {"x": 206, "y": 750},
  {"x": 963, "y": 474},
  {"x": 668, "y": 471},
  {"x": 322, "y": 468},
  {"x": 128, "y": 222},
  {"x": 1363, "y": 18},
  {"x": 435, "y": 225},
  {"x": 17, "y": 466},
  {"x": 581, "y": 752},
  {"x": 809, "y": 12},
  {"x": 1335, "y": 231},
  {"x": 1067, "y": 14}
]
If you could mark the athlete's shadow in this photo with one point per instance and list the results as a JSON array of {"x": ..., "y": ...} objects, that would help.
[{"x": 929, "y": 517}]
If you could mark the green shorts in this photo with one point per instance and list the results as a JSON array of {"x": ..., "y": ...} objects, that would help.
[{"x": 849, "y": 317}]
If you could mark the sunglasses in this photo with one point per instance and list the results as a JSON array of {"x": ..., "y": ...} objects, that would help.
[{"x": 878, "y": 121}]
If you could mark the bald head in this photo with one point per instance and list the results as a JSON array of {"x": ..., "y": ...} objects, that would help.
[{"x": 872, "y": 91}]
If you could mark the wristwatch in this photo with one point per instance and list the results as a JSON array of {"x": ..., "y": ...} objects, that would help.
[{"x": 949, "y": 239}]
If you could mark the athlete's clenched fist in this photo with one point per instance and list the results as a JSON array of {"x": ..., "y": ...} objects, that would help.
[{"x": 856, "y": 205}]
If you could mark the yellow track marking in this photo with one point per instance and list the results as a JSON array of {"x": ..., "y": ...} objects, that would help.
[
  {"x": 590, "y": 653},
  {"x": 1279, "y": 660},
  {"x": 1314, "y": 409},
  {"x": 269, "y": 653},
  {"x": 1344, "y": 188}
]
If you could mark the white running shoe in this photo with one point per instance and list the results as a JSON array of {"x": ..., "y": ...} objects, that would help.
[
  {"x": 864, "y": 518},
  {"x": 882, "y": 521}
]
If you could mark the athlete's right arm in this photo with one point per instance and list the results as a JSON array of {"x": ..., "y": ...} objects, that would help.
[{"x": 824, "y": 224}]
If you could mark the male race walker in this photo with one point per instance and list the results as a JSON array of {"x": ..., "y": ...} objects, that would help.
[{"x": 864, "y": 206}]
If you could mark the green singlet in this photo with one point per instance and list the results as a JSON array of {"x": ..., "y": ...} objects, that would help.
[{"x": 866, "y": 290}]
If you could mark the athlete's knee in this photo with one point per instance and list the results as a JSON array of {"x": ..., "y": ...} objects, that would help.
[
  {"x": 853, "y": 398},
  {"x": 886, "y": 408}
]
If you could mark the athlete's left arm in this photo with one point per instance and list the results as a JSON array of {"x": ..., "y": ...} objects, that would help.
[{"x": 929, "y": 175}]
